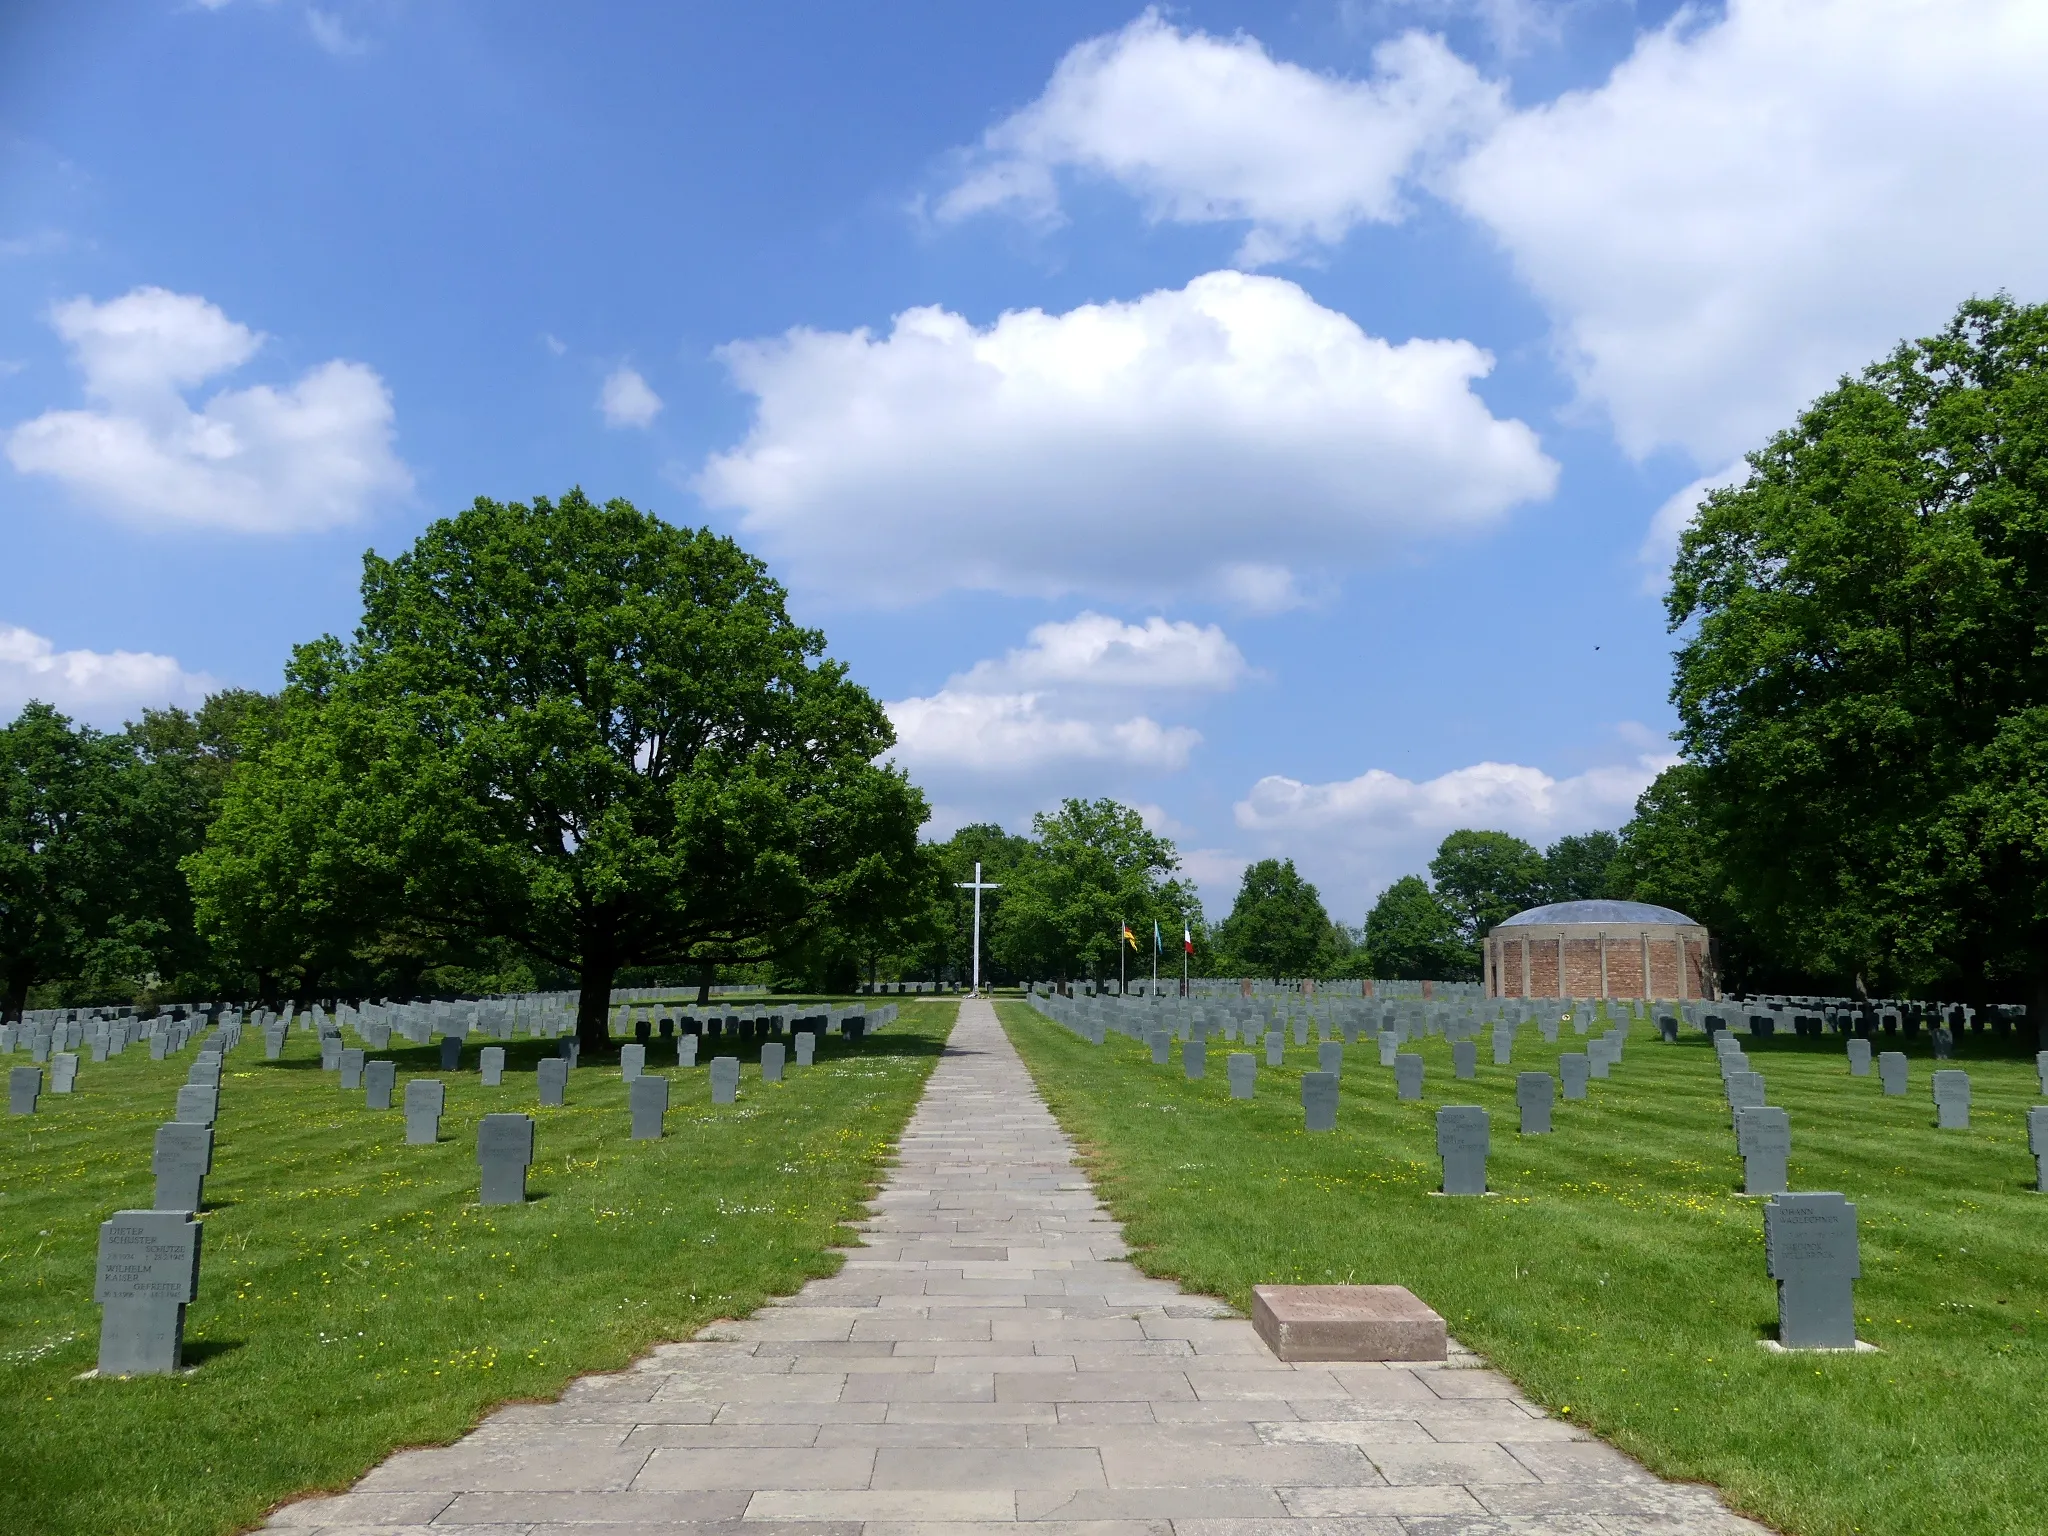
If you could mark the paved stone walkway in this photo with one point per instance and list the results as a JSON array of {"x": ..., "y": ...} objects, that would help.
[{"x": 988, "y": 1359}]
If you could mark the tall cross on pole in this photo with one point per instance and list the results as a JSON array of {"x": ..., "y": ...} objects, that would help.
[{"x": 977, "y": 885}]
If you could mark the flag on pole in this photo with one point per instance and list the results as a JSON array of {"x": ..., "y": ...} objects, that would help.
[
  {"x": 1187, "y": 940},
  {"x": 1157, "y": 943},
  {"x": 1130, "y": 938}
]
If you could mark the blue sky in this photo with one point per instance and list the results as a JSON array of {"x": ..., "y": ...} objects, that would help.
[{"x": 1274, "y": 416}]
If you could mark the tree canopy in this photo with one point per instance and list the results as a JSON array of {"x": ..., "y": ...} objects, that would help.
[
  {"x": 1277, "y": 927},
  {"x": 1091, "y": 865},
  {"x": 1409, "y": 933}
]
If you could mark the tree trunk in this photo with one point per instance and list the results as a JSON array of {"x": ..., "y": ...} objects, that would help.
[
  {"x": 15, "y": 998},
  {"x": 704, "y": 979},
  {"x": 594, "y": 1005}
]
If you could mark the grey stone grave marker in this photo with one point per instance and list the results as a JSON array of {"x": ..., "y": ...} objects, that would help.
[
  {"x": 1462, "y": 1136},
  {"x": 1944, "y": 1043},
  {"x": 1465, "y": 1059},
  {"x": 273, "y": 1042},
  {"x": 490, "y": 1062},
  {"x": 1952, "y": 1099},
  {"x": 1599, "y": 1056},
  {"x": 351, "y": 1069},
  {"x": 159, "y": 1046},
  {"x": 1859, "y": 1057},
  {"x": 1276, "y": 1048},
  {"x": 63, "y": 1072},
  {"x": 1575, "y": 1068},
  {"x": 806, "y": 1048},
  {"x": 2041, "y": 1070},
  {"x": 198, "y": 1104},
  {"x": 647, "y": 1097},
  {"x": 1810, "y": 1250},
  {"x": 1746, "y": 1090},
  {"x": 380, "y": 1078},
  {"x": 725, "y": 1079},
  {"x": 1390, "y": 1047},
  {"x": 1548, "y": 1027},
  {"x": 1535, "y": 1092},
  {"x": 148, "y": 1271},
  {"x": 1891, "y": 1073},
  {"x": 632, "y": 1061},
  {"x": 1300, "y": 1030},
  {"x": 330, "y": 1053},
  {"x": 1242, "y": 1068},
  {"x": 1503, "y": 1044},
  {"x": 1667, "y": 1026},
  {"x": 1319, "y": 1101},
  {"x": 553, "y": 1077},
  {"x": 424, "y": 1098},
  {"x": 1763, "y": 1135},
  {"x": 1407, "y": 1075},
  {"x": 2037, "y": 1143},
  {"x": 1161, "y": 1042},
  {"x": 1194, "y": 1060},
  {"x": 451, "y": 1053},
  {"x": 1330, "y": 1057},
  {"x": 774, "y": 1055},
  {"x": 181, "y": 1160},
  {"x": 504, "y": 1150}
]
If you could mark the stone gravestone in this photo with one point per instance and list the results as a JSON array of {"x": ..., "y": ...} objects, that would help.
[
  {"x": 1859, "y": 1057},
  {"x": 1574, "y": 1067},
  {"x": 1276, "y": 1048},
  {"x": 1161, "y": 1042},
  {"x": 1535, "y": 1092},
  {"x": 159, "y": 1046},
  {"x": 451, "y": 1053},
  {"x": 2041, "y": 1069},
  {"x": 379, "y": 1079},
  {"x": 181, "y": 1160},
  {"x": 351, "y": 1069},
  {"x": 1390, "y": 1047},
  {"x": 1461, "y": 1141},
  {"x": 424, "y": 1097},
  {"x": 1465, "y": 1059},
  {"x": 1810, "y": 1250},
  {"x": 553, "y": 1076},
  {"x": 1667, "y": 1026},
  {"x": 806, "y": 1048},
  {"x": 686, "y": 1050},
  {"x": 1300, "y": 1030},
  {"x": 1944, "y": 1043},
  {"x": 1194, "y": 1060},
  {"x": 632, "y": 1061},
  {"x": 1503, "y": 1045},
  {"x": 273, "y": 1042},
  {"x": 773, "y": 1057},
  {"x": 647, "y": 1097},
  {"x": 1599, "y": 1056},
  {"x": 330, "y": 1053},
  {"x": 198, "y": 1104},
  {"x": 504, "y": 1150},
  {"x": 1763, "y": 1135},
  {"x": 63, "y": 1072},
  {"x": 2037, "y": 1143},
  {"x": 1330, "y": 1058},
  {"x": 148, "y": 1271},
  {"x": 1242, "y": 1068},
  {"x": 1407, "y": 1075},
  {"x": 1319, "y": 1101},
  {"x": 725, "y": 1079},
  {"x": 490, "y": 1062},
  {"x": 1952, "y": 1099},
  {"x": 1891, "y": 1073},
  {"x": 1548, "y": 1027}
]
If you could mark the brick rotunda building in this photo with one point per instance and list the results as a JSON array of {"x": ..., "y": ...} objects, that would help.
[{"x": 1600, "y": 949}]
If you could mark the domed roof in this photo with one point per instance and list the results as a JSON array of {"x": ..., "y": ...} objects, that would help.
[{"x": 1629, "y": 914}]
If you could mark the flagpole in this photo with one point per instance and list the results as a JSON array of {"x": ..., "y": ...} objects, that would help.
[
  {"x": 1120, "y": 925},
  {"x": 1155, "y": 957}
]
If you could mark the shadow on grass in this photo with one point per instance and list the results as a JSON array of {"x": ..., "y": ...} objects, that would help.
[{"x": 196, "y": 1352}]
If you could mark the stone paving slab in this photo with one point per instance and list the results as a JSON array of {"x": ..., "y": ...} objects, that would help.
[{"x": 987, "y": 1364}]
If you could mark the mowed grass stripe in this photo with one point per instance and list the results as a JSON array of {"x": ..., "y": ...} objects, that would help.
[
  {"x": 354, "y": 1298},
  {"x": 1618, "y": 1276}
]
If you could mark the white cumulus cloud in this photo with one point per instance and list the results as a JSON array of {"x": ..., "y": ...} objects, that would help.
[
  {"x": 1754, "y": 204},
  {"x": 1017, "y": 734},
  {"x": 1206, "y": 130},
  {"x": 1095, "y": 650},
  {"x": 627, "y": 401},
  {"x": 1356, "y": 836},
  {"x": 1225, "y": 437},
  {"x": 313, "y": 454},
  {"x": 100, "y": 687}
]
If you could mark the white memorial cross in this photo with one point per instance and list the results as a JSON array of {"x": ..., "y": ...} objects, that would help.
[{"x": 977, "y": 885}]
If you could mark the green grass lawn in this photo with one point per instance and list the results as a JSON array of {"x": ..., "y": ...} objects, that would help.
[
  {"x": 354, "y": 1298},
  {"x": 1618, "y": 1276}
]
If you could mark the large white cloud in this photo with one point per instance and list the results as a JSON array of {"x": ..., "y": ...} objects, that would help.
[
  {"x": 1097, "y": 651},
  {"x": 1207, "y": 130},
  {"x": 313, "y": 454},
  {"x": 1356, "y": 836},
  {"x": 1751, "y": 206},
  {"x": 1018, "y": 734},
  {"x": 1228, "y": 436},
  {"x": 100, "y": 687}
]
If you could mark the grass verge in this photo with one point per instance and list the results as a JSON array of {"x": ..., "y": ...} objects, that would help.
[
  {"x": 1618, "y": 1276},
  {"x": 353, "y": 1297}
]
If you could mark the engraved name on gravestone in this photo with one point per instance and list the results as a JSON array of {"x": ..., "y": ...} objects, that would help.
[
  {"x": 148, "y": 1270},
  {"x": 632, "y": 1061},
  {"x": 2037, "y": 1143},
  {"x": 1465, "y": 1059},
  {"x": 1407, "y": 1075},
  {"x": 351, "y": 1069},
  {"x": 1319, "y": 1101},
  {"x": 1535, "y": 1093},
  {"x": 198, "y": 1104},
  {"x": 1330, "y": 1057},
  {"x": 1462, "y": 1138},
  {"x": 1763, "y": 1135},
  {"x": 725, "y": 1079},
  {"x": 490, "y": 1062},
  {"x": 1810, "y": 1250},
  {"x": 1574, "y": 1068},
  {"x": 1952, "y": 1099},
  {"x": 1276, "y": 1048},
  {"x": 380, "y": 1078},
  {"x": 647, "y": 1098},
  {"x": 1859, "y": 1057},
  {"x": 181, "y": 1160},
  {"x": 1194, "y": 1060},
  {"x": 1242, "y": 1068},
  {"x": 424, "y": 1097},
  {"x": 1891, "y": 1073},
  {"x": 1161, "y": 1042},
  {"x": 774, "y": 1055},
  {"x": 504, "y": 1151},
  {"x": 1745, "y": 1090}
]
